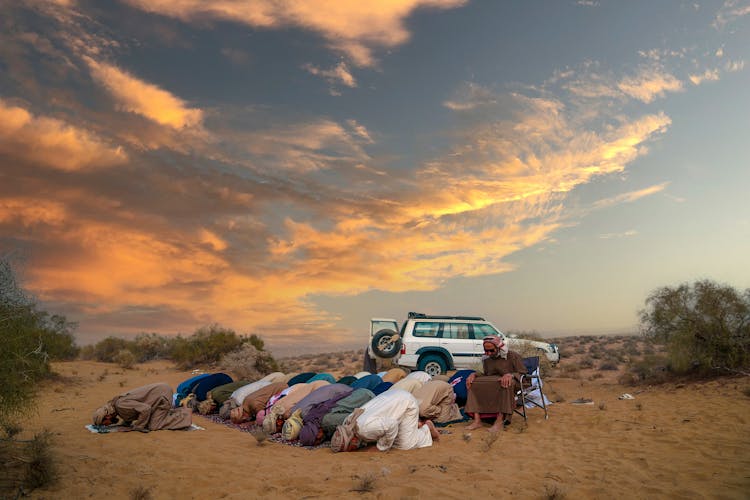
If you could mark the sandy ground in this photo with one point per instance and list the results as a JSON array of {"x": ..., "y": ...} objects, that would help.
[{"x": 671, "y": 441}]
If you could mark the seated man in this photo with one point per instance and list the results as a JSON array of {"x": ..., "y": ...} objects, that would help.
[
  {"x": 390, "y": 419},
  {"x": 494, "y": 393},
  {"x": 147, "y": 408}
]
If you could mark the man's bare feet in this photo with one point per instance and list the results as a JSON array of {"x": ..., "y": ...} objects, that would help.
[
  {"x": 433, "y": 431},
  {"x": 474, "y": 426}
]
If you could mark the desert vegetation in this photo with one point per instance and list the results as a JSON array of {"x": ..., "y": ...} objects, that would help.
[{"x": 31, "y": 338}]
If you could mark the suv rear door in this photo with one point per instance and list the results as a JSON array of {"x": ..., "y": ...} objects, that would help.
[{"x": 457, "y": 339}]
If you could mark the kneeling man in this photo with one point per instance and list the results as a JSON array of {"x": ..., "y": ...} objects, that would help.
[
  {"x": 147, "y": 408},
  {"x": 390, "y": 419}
]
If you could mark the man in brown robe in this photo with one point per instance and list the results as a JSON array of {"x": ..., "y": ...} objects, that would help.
[
  {"x": 147, "y": 408},
  {"x": 494, "y": 394}
]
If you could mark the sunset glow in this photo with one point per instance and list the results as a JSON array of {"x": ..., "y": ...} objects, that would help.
[{"x": 292, "y": 169}]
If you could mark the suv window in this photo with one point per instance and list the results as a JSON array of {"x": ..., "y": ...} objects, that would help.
[
  {"x": 426, "y": 329},
  {"x": 482, "y": 330},
  {"x": 456, "y": 331}
]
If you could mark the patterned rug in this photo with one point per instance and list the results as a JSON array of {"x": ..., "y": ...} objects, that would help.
[{"x": 257, "y": 430}]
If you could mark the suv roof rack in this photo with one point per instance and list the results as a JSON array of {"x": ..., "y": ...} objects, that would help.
[{"x": 416, "y": 315}]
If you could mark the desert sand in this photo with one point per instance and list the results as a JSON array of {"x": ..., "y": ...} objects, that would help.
[{"x": 679, "y": 440}]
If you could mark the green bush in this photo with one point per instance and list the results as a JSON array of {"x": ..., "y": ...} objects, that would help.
[
  {"x": 29, "y": 338},
  {"x": 106, "y": 350},
  {"x": 704, "y": 326},
  {"x": 207, "y": 345}
]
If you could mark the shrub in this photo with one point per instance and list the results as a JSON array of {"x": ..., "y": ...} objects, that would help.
[
  {"x": 207, "y": 345},
  {"x": 705, "y": 326},
  {"x": 106, "y": 350},
  {"x": 650, "y": 369},
  {"x": 586, "y": 363},
  {"x": 125, "y": 359},
  {"x": 29, "y": 338},
  {"x": 26, "y": 465},
  {"x": 248, "y": 363},
  {"x": 150, "y": 346}
]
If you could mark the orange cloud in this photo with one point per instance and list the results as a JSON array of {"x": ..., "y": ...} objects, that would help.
[
  {"x": 30, "y": 212},
  {"x": 354, "y": 28},
  {"x": 53, "y": 143},
  {"x": 649, "y": 84},
  {"x": 143, "y": 98}
]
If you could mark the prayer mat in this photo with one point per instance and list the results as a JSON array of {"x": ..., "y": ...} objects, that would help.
[
  {"x": 252, "y": 428},
  {"x": 106, "y": 429}
]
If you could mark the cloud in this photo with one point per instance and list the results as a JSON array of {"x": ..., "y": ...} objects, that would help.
[
  {"x": 730, "y": 12},
  {"x": 316, "y": 145},
  {"x": 236, "y": 56},
  {"x": 469, "y": 97},
  {"x": 649, "y": 84},
  {"x": 625, "y": 234},
  {"x": 710, "y": 75},
  {"x": 143, "y": 98},
  {"x": 53, "y": 143},
  {"x": 352, "y": 28},
  {"x": 631, "y": 196},
  {"x": 339, "y": 74}
]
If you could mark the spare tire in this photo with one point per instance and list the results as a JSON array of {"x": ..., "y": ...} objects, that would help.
[{"x": 386, "y": 343}]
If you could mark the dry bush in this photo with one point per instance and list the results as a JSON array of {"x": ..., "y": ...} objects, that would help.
[
  {"x": 608, "y": 366},
  {"x": 260, "y": 435},
  {"x": 553, "y": 492},
  {"x": 365, "y": 483},
  {"x": 141, "y": 493},
  {"x": 628, "y": 378},
  {"x": 243, "y": 363},
  {"x": 124, "y": 359},
  {"x": 586, "y": 363},
  {"x": 570, "y": 369},
  {"x": 27, "y": 465}
]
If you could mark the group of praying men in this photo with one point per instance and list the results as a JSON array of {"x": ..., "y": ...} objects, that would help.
[{"x": 393, "y": 409}]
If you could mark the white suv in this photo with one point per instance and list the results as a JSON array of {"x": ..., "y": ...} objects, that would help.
[{"x": 436, "y": 344}]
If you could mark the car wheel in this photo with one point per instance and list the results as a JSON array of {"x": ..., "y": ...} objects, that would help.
[
  {"x": 386, "y": 343},
  {"x": 432, "y": 364}
]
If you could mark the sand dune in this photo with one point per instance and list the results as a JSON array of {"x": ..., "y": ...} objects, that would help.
[{"x": 671, "y": 441}]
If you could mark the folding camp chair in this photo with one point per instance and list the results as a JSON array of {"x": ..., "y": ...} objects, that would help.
[{"x": 531, "y": 392}]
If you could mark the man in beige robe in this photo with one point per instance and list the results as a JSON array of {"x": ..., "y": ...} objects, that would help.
[
  {"x": 147, "y": 408},
  {"x": 437, "y": 402}
]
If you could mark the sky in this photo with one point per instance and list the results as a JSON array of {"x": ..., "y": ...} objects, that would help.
[{"x": 294, "y": 168}]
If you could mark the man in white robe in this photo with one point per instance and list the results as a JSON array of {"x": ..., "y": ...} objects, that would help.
[{"x": 391, "y": 420}]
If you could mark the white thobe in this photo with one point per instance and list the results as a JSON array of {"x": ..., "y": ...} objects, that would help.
[{"x": 392, "y": 420}]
